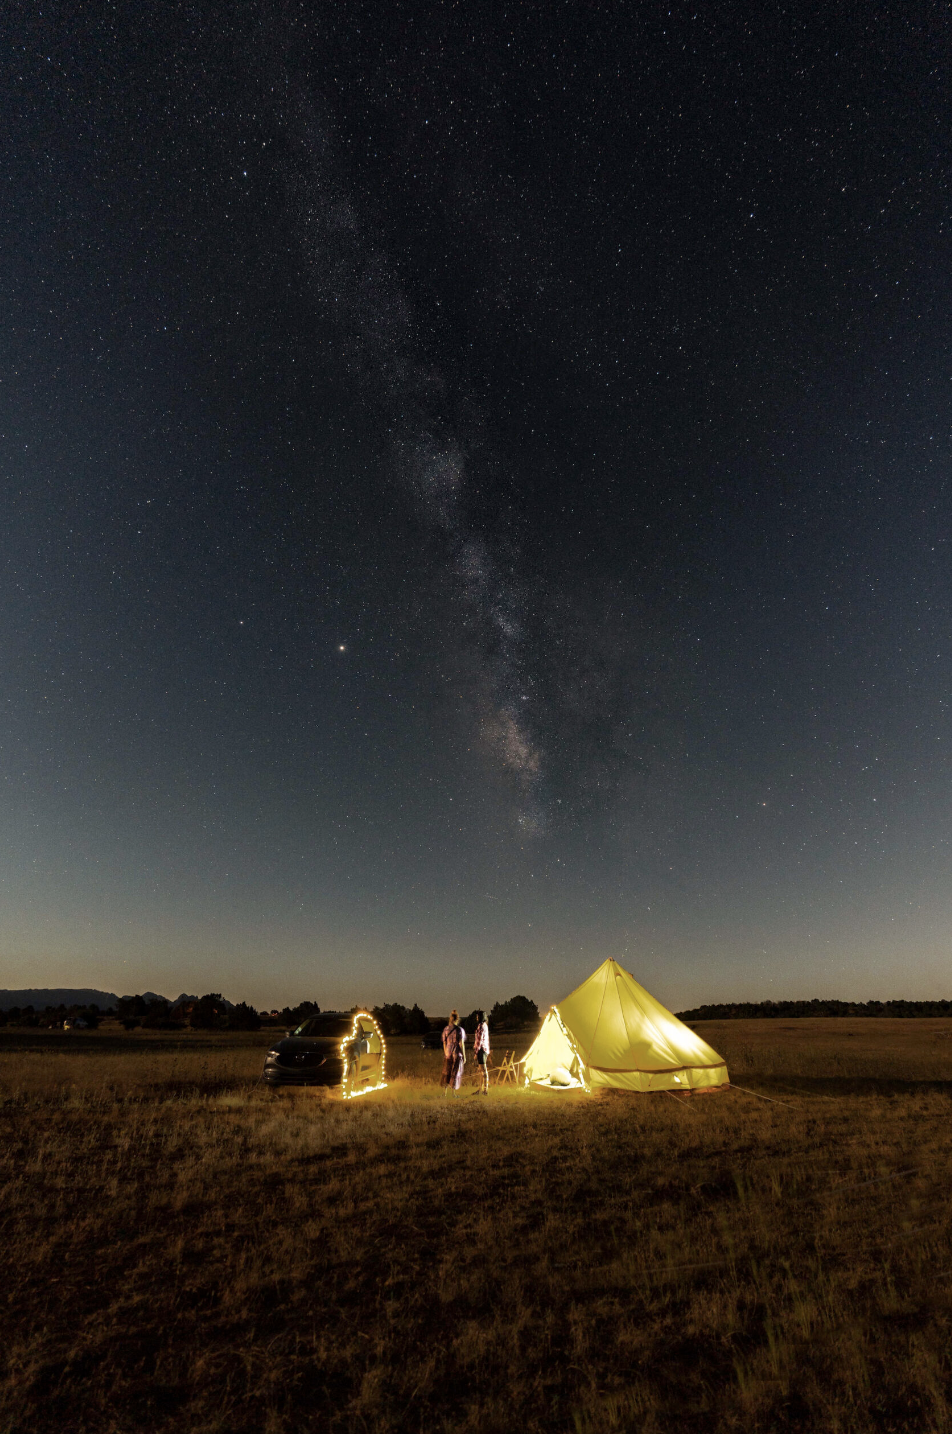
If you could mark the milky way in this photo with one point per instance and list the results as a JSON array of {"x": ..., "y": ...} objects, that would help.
[{"x": 355, "y": 284}]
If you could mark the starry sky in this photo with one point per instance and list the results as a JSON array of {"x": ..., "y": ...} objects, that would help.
[{"x": 475, "y": 493}]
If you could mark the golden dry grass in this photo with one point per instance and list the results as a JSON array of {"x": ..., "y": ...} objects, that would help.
[{"x": 186, "y": 1250}]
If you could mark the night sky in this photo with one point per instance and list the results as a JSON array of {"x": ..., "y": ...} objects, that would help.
[{"x": 475, "y": 499}]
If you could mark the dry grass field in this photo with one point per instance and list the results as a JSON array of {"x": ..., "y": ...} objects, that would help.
[{"x": 186, "y": 1250}]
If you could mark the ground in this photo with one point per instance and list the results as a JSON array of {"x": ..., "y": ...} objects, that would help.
[{"x": 186, "y": 1250}]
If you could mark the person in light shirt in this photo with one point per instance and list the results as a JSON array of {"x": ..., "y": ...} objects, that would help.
[
  {"x": 481, "y": 1049},
  {"x": 454, "y": 1054}
]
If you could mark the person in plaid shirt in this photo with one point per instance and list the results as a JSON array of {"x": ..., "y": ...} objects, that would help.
[{"x": 481, "y": 1048}]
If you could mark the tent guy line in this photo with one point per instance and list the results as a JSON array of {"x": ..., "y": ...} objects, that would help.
[{"x": 773, "y": 1100}]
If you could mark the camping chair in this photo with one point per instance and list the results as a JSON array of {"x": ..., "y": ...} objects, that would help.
[{"x": 507, "y": 1072}]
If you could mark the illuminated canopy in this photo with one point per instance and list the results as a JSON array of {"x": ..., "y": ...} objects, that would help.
[{"x": 611, "y": 1032}]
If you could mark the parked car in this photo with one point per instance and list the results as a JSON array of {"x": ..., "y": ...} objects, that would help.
[
  {"x": 330, "y": 1049},
  {"x": 432, "y": 1041}
]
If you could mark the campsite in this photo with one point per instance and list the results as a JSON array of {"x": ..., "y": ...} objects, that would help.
[{"x": 187, "y": 1249}]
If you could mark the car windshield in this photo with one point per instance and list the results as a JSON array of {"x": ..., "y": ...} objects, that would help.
[{"x": 333, "y": 1026}]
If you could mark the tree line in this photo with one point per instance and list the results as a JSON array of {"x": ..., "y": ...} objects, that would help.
[
  {"x": 749, "y": 1010},
  {"x": 514, "y": 1014},
  {"x": 212, "y": 1012},
  {"x": 89, "y": 1016}
]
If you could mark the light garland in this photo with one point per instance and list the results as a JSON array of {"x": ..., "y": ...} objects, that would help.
[{"x": 356, "y": 1033}]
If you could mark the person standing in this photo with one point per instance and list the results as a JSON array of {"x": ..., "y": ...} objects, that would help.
[
  {"x": 481, "y": 1049},
  {"x": 454, "y": 1054}
]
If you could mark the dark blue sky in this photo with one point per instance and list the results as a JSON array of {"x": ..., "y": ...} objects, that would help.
[{"x": 475, "y": 495}]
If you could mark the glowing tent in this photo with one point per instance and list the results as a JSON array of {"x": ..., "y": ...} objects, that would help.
[{"x": 611, "y": 1032}]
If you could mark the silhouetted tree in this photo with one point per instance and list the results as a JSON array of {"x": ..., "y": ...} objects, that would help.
[
  {"x": 417, "y": 1022},
  {"x": 158, "y": 1016},
  {"x": 392, "y": 1018},
  {"x": 207, "y": 1012},
  {"x": 243, "y": 1017},
  {"x": 517, "y": 1012},
  {"x": 131, "y": 1008},
  {"x": 396, "y": 1020},
  {"x": 294, "y": 1015}
]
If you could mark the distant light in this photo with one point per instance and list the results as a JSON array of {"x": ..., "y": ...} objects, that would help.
[{"x": 341, "y": 648}]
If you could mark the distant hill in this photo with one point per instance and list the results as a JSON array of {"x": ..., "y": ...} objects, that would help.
[
  {"x": 750, "y": 1010},
  {"x": 169, "y": 1001},
  {"x": 38, "y": 999}
]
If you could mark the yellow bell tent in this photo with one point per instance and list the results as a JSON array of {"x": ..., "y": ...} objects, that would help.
[{"x": 611, "y": 1032}]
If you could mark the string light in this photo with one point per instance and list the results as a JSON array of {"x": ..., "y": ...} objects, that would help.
[{"x": 357, "y": 1033}]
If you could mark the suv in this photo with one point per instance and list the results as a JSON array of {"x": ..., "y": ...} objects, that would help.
[{"x": 330, "y": 1049}]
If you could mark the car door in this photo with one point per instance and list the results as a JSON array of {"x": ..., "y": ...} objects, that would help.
[{"x": 371, "y": 1054}]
